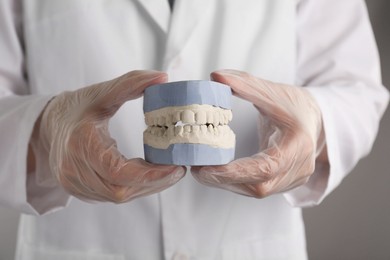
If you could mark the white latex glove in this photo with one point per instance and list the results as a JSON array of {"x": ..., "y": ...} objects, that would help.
[
  {"x": 74, "y": 138},
  {"x": 291, "y": 137}
]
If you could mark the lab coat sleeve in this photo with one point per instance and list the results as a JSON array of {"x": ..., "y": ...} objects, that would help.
[
  {"x": 338, "y": 62},
  {"x": 18, "y": 113}
]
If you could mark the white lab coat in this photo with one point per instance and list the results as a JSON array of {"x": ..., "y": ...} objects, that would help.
[{"x": 49, "y": 46}]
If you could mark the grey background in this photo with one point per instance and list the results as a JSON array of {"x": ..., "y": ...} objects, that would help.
[{"x": 353, "y": 222}]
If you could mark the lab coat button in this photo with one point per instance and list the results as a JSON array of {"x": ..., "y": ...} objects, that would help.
[{"x": 180, "y": 256}]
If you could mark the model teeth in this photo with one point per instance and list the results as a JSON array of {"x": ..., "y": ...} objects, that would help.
[
  {"x": 188, "y": 117},
  {"x": 194, "y": 114},
  {"x": 161, "y": 137},
  {"x": 203, "y": 129},
  {"x": 200, "y": 117},
  {"x": 195, "y": 128},
  {"x": 181, "y": 130},
  {"x": 176, "y": 116},
  {"x": 216, "y": 119},
  {"x": 189, "y": 124}
]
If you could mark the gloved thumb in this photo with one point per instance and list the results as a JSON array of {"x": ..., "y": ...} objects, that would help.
[
  {"x": 109, "y": 96},
  {"x": 265, "y": 95},
  {"x": 243, "y": 84}
]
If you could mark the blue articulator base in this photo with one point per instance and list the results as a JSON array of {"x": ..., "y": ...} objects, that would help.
[
  {"x": 189, "y": 155},
  {"x": 184, "y": 93}
]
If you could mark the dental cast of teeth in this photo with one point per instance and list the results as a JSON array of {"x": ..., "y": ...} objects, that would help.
[
  {"x": 197, "y": 124},
  {"x": 192, "y": 114},
  {"x": 188, "y": 123}
]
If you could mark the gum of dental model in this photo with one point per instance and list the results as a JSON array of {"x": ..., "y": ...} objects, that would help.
[{"x": 187, "y": 123}]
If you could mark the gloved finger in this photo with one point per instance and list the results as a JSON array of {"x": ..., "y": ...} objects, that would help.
[
  {"x": 260, "y": 168},
  {"x": 294, "y": 175},
  {"x": 108, "y": 96},
  {"x": 282, "y": 161},
  {"x": 86, "y": 184},
  {"x": 138, "y": 172},
  {"x": 77, "y": 189},
  {"x": 277, "y": 185},
  {"x": 103, "y": 156},
  {"x": 265, "y": 95},
  {"x": 170, "y": 179},
  {"x": 243, "y": 170},
  {"x": 120, "y": 193},
  {"x": 239, "y": 188},
  {"x": 252, "y": 189},
  {"x": 257, "y": 189},
  {"x": 278, "y": 158}
]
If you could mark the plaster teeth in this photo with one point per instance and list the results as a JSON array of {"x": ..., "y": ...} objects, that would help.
[
  {"x": 187, "y": 129},
  {"x": 171, "y": 130},
  {"x": 162, "y": 137},
  {"x": 148, "y": 121},
  {"x": 161, "y": 121},
  {"x": 195, "y": 129},
  {"x": 216, "y": 130},
  {"x": 216, "y": 119},
  {"x": 201, "y": 117},
  {"x": 221, "y": 130},
  {"x": 194, "y": 114},
  {"x": 225, "y": 118},
  {"x": 203, "y": 129},
  {"x": 210, "y": 129},
  {"x": 188, "y": 117},
  {"x": 179, "y": 130},
  {"x": 222, "y": 118},
  {"x": 176, "y": 116},
  {"x": 210, "y": 117},
  {"x": 230, "y": 115},
  {"x": 224, "y": 129},
  {"x": 168, "y": 120}
]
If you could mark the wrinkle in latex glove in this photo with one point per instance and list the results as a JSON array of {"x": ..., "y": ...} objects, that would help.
[
  {"x": 74, "y": 137},
  {"x": 291, "y": 137}
]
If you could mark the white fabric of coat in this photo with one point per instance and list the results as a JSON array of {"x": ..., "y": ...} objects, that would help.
[{"x": 49, "y": 46}]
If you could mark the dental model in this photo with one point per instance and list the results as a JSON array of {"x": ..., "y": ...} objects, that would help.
[{"x": 188, "y": 123}]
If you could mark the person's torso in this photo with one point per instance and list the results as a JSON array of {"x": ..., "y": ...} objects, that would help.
[{"x": 71, "y": 44}]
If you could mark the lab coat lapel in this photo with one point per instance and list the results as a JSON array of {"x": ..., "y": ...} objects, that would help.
[
  {"x": 186, "y": 15},
  {"x": 159, "y": 11}
]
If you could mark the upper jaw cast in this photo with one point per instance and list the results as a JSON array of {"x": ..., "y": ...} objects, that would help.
[{"x": 192, "y": 114}]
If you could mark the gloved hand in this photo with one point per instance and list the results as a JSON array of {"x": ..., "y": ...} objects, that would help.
[
  {"x": 291, "y": 137},
  {"x": 83, "y": 157}
]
